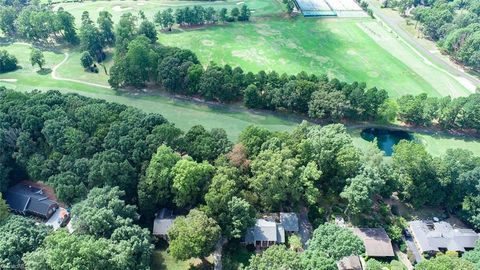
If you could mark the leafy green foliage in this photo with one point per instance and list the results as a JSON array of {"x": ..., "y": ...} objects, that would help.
[
  {"x": 190, "y": 181},
  {"x": 275, "y": 257},
  {"x": 19, "y": 235},
  {"x": 37, "y": 58},
  {"x": 193, "y": 236},
  {"x": 449, "y": 261},
  {"x": 8, "y": 62}
]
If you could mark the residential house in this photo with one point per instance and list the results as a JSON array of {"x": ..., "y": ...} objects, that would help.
[
  {"x": 162, "y": 223},
  {"x": 376, "y": 241},
  {"x": 289, "y": 222},
  {"x": 432, "y": 237},
  {"x": 265, "y": 233},
  {"x": 26, "y": 199},
  {"x": 350, "y": 263}
]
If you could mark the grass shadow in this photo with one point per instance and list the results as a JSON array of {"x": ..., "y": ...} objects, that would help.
[{"x": 44, "y": 71}]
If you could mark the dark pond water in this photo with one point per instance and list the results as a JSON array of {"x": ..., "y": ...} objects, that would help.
[{"x": 386, "y": 138}]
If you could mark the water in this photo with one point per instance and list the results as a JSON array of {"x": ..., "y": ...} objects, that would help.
[{"x": 386, "y": 138}]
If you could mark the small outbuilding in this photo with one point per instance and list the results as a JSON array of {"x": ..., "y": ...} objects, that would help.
[
  {"x": 289, "y": 222},
  {"x": 29, "y": 200},
  {"x": 350, "y": 263},
  {"x": 376, "y": 241},
  {"x": 162, "y": 223}
]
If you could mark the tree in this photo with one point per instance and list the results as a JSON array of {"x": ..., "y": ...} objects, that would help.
[
  {"x": 147, "y": 29},
  {"x": 19, "y": 235},
  {"x": 222, "y": 15},
  {"x": 92, "y": 40},
  {"x": 418, "y": 179},
  {"x": 235, "y": 12},
  {"x": 193, "y": 236},
  {"x": 125, "y": 32},
  {"x": 154, "y": 190},
  {"x": 328, "y": 105},
  {"x": 8, "y": 62},
  {"x": 4, "y": 211},
  {"x": 240, "y": 217},
  {"x": 165, "y": 19},
  {"x": 37, "y": 58},
  {"x": 190, "y": 181},
  {"x": 473, "y": 256},
  {"x": 274, "y": 179},
  {"x": 449, "y": 261},
  {"x": 244, "y": 13},
  {"x": 252, "y": 137},
  {"x": 102, "y": 212},
  {"x": 335, "y": 242},
  {"x": 86, "y": 60},
  {"x": 105, "y": 27},
  {"x": 275, "y": 257}
]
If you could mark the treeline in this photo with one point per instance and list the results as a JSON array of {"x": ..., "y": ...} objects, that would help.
[
  {"x": 454, "y": 25},
  {"x": 108, "y": 158},
  {"x": 446, "y": 112},
  {"x": 198, "y": 15},
  {"x": 35, "y": 22}
]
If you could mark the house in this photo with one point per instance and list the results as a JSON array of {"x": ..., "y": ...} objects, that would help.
[
  {"x": 30, "y": 200},
  {"x": 289, "y": 222},
  {"x": 376, "y": 241},
  {"x": 265, "y": 233},
  {"x": 350, "y": 263},
  {"x": 162, "y": 223},
  {"x": 431, "y": 237}
]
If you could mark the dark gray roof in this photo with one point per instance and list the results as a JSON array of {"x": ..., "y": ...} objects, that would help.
[
  {"x": 265, "y": 230},
  {"x": 163, "y": 221},
  {"x": 289, "y": 221},
  {"x": 431, "y": 236},
  {"x": 28, "y": 200},
  {"x": 376, "y": 241}
]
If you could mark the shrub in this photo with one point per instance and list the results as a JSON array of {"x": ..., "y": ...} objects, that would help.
[{"x": 8, "y": 62}]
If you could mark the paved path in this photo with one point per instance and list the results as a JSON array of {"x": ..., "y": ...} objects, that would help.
[
  {"x": 402, "y": 257},
  {"x": 450, "y": 69},
  {"x": 411, "y": 246},
  {"x": 58, "y": 78},
  {"x": 305, "y": 228},
  {"x": 217, "y": 254}
]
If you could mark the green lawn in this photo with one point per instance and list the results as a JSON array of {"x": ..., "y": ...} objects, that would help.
[
  {"x": 342, "y": 48},
  {"x": 117, "y": 8}
]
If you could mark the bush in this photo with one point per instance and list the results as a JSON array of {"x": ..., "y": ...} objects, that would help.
[{"x": 8, "y": 62}]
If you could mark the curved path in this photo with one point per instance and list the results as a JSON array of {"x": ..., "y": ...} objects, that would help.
[
  {"x": 58, "y": 78},
  {"x": 451, "y": 69},
  {"x": 350, "y": 125}
]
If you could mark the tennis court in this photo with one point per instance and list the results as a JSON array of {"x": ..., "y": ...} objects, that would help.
[{"x": 336, "y": 8}]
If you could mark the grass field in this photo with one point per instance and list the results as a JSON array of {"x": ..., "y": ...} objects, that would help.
[
  {"x": 342, "y": 48},
  {"x": 117, "y": 8},
  {"x": 183, "y": 113}
]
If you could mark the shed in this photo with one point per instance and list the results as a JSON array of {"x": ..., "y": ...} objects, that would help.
[
  {"x": 289, "y": 221},
  {"x": 163, "y": 221}
]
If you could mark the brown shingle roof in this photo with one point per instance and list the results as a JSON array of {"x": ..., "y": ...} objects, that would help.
[{"x": 376, "y": 241}]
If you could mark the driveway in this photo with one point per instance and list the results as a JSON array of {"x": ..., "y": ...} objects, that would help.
[
  {"x": 57, "y": 218},
  {"x": 411, "y": 246},
  {"x": 305, "y": 228}
]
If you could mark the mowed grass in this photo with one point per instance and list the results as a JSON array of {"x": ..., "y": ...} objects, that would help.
[
  {"x": 341, "y": 48},
  {"x": 151, "y": 7}
]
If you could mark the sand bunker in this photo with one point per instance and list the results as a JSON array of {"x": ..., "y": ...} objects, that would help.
[
  {"x": 8, "y": 80},
  {"x": 120, "y": 8}
]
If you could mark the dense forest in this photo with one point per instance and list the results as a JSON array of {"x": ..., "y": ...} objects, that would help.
[
  {"x": 453, "y": 24},
  {"x": 112, "y": 162}
]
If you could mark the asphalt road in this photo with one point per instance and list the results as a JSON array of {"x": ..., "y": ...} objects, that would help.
[{"x": 394, "y": 23}]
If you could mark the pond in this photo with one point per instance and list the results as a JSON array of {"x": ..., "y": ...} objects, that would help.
[{"x": 386, "y": 138}]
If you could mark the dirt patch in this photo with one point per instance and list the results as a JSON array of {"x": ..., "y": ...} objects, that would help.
[{"x": 207, "y": 42}]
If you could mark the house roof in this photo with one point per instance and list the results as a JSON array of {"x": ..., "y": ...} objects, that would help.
[
  {"x": 28, "y": 200},
  {"x": 289, "y": 221},
  {"x": 349, "y": 263},
  {"x": 376, "y": 241},
  {"x": 265, "y": 230},
  {"x": 163, "y": 221},
  {"x": 432, "y": 236}
]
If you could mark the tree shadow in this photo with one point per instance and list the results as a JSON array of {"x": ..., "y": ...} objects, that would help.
[{"x": 44, "y": 71}]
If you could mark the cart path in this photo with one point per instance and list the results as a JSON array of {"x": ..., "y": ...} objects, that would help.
[
  {"x": 468, "y": 81},
  {"x": 58, "y": 78}
]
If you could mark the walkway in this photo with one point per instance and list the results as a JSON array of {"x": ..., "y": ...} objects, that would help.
[
  {"x": 305, "y": 228},
  {"x": 450, "y": 69},
  {"x": 411, "y": 246}
]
